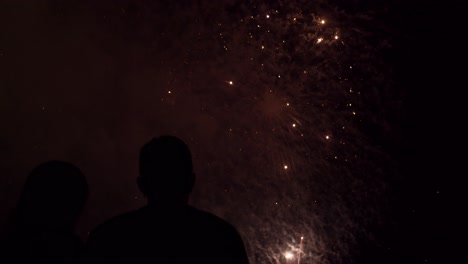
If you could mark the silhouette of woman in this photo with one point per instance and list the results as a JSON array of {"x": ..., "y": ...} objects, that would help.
[{"x": 42, "y": 223}]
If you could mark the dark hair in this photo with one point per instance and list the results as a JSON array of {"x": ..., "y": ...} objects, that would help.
[
  {"x": 166, "y": 168},
  {"x": 54, "y": 193}
]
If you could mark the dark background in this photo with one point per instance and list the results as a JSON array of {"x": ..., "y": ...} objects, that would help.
[
  {"x": 432, "y": 73},
  {"x": 82, "y": 81}
]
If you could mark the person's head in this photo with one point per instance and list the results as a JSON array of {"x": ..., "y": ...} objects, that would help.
[
  {"x": 166, "y": 170},
  {"x": 53, "y": 196}
]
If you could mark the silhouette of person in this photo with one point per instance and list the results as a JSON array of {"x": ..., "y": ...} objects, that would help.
[
  {"x": 167, "y": 229},
  {"x": 41, "y": 226}
]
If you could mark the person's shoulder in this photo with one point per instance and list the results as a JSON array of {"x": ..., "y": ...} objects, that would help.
[
  {"x": 215, "y": 222},
  {"x": 116, "y": 222}
]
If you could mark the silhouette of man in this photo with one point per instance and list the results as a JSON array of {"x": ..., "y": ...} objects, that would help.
[
  {"x": 41, "y": 226},
  {"x": 167, "y": 229}
]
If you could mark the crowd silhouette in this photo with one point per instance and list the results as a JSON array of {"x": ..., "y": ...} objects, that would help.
[{"x": 167, "y": 229}]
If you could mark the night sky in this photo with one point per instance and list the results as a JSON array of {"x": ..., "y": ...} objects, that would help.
[{"x": 327, "y": 120}]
